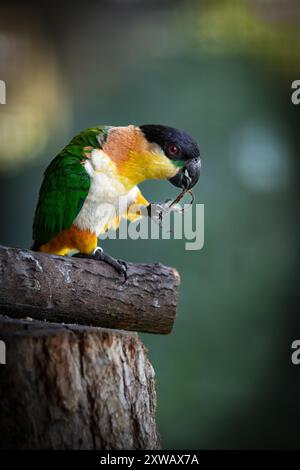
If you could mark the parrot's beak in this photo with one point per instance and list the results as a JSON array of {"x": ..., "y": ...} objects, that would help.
[{"x": 187, "y": 176}]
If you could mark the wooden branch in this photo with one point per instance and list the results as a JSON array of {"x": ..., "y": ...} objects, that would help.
[
  {"x": 61, "y": 289},
  {"x": 75, "y": 388}
]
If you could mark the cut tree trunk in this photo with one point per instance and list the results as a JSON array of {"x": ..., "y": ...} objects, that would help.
[{"x": 75, "y": 387}]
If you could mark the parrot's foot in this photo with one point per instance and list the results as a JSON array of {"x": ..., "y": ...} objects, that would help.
[
  {"x": 156, "y": 211},
  {"x": 99, "y": 255}
]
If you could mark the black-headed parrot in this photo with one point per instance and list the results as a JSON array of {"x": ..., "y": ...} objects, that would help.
[{"x": 82, "y": 186}]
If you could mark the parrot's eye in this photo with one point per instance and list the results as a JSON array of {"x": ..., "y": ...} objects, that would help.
[{"x": 173, "y": 150}]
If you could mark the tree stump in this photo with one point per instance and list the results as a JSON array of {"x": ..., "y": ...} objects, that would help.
[{"x": 68, "y": 387}]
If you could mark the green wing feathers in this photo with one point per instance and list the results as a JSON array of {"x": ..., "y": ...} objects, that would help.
[{"x": 65, "y": 187}]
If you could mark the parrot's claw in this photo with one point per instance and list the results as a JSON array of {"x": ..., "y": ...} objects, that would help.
[
  {"x": 119, "y": 265},
  {"x": 158, "y": 210},
  {"x": 122, "y": 269}
]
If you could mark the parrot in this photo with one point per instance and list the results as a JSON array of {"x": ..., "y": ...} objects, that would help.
[{"x": 82, "y": 186}]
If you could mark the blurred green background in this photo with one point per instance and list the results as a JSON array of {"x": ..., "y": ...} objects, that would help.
[{"x": 221, "y": 70}]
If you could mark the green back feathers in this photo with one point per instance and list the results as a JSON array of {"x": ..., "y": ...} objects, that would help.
[
  {"x": 94, "y": 137},
  {"x": 65, "y": 186}
]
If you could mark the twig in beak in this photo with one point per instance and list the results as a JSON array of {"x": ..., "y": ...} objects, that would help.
[{"x": 181, "y": 195}]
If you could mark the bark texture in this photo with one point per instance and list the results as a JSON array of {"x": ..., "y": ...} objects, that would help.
[
  {"x": 60, "y": 289},
  {"x": 74, "y": 387}
]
